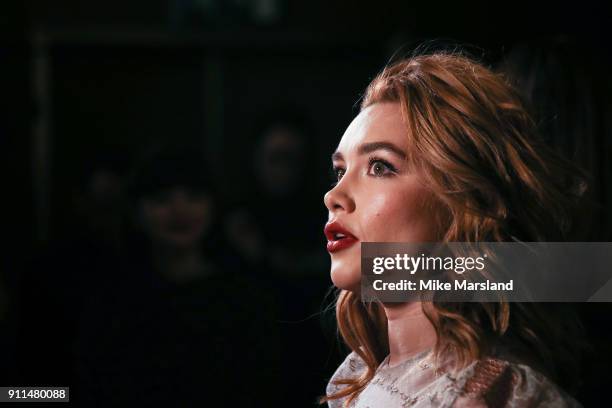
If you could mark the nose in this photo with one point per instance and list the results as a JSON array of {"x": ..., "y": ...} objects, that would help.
[
  {"x": 338, "y": 199},
  {"x": 179, "y": 201}
]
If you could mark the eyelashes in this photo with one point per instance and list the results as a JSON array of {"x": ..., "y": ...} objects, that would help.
[
  {"x": 377, "y": 167},
  {"x": 336, "y": 174},
  {"x": 386, "y": 168}
]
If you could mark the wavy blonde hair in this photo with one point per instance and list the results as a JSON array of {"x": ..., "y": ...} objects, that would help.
[{"x": 473, "y": 142}]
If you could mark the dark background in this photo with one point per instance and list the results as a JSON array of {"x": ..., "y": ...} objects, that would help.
[{"x": 80, "y": 80}]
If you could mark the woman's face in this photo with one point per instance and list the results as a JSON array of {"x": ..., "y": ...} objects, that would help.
[
  {"x": 280, "y": 160},
  {"x": 176, "y": 218},
  {"x": 377, "y": 197}
]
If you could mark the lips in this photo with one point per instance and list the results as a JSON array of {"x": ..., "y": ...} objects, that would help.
[
  {"x": 338, "y": 237},
  {"x": 180, "y": 226}
]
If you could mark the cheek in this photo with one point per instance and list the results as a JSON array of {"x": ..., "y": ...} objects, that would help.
[
  {"x": 346, "y": 269},
  {"x": 401, "y": 216},
  {"x": 200, "y": 214},
  {"x": 155, "y": 217}
]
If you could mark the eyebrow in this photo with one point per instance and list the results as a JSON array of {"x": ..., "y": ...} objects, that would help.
[{"x": 372, "y": 147}]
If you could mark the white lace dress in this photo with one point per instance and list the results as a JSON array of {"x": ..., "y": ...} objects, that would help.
[{"x": 416, "y": 383}]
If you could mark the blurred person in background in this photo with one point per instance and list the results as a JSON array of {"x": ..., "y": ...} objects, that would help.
[
  {"x": 61, "y": 277},
  {"x": 98, "y": 201},
  {"x": 567, "y": 86},
  {"x": 273, "y": 223},
  {"x": 275, "y": 227},
  {"x": 178, "y": 322}
]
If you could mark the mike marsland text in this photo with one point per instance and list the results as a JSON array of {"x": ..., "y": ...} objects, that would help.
[{"x": 437, "y": 285}]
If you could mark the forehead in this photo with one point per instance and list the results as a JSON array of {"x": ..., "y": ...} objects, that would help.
[{"x": 376, "y": 123}]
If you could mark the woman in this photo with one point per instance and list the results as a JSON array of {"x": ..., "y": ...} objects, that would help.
[
  {"x": 162, "y": 315},
  {"x": 443, "y": 150}
]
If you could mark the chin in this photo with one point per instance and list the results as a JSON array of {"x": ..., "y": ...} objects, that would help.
[
  {"x": 347, "y": 277},
  {"x": 181, "y": 241}
]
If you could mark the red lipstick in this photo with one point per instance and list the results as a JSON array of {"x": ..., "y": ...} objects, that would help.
[{"x": 338, "y": 237}]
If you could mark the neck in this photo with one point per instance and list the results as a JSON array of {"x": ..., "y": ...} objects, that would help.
[
  {"x": 181, "y": 264},
  {"x": 410, "y": 332}
]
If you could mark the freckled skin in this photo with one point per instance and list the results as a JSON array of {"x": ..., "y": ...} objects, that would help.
[{"x": 376, "y": 205}]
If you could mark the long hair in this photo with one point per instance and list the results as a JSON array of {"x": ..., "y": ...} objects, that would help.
[{"x": 476, "y": 147}]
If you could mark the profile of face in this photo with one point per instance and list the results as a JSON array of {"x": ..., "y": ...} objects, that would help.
[
  {"x": 177, "y": 218},
  {"x": 280, "y": 160},
  {"x": 377, "y": 197}
]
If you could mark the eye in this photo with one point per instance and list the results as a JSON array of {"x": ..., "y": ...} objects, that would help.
[
  {"x": 380, "y": 168},
  {"x": 337, "y": 173}
]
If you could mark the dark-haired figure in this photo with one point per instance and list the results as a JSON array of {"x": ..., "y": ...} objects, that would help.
[
  {"x": 273, "y": 222},
  {"x": 444, "y": 151},
  {"x": 59, "y": 280},
  {"x": 275, "y": 228},
  {"x": 177, "y": 324}
]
